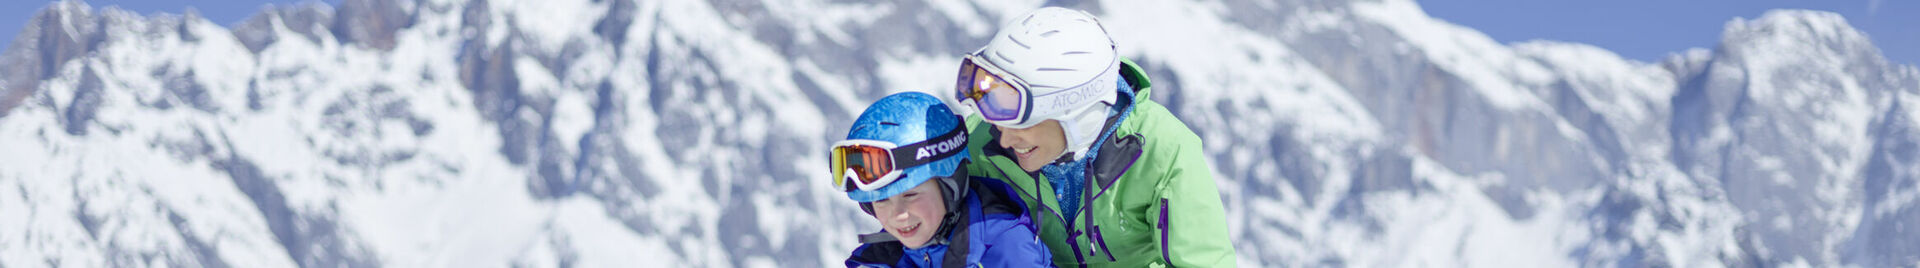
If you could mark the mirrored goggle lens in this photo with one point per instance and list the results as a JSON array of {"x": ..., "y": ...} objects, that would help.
[
  {"x": 861, "y": 164},
  {"x": 995, "y": 98},
  {"x": 999, "y": 100}
]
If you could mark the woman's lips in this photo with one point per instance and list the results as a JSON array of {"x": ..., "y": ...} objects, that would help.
[{"x": 1025, "y": 154}]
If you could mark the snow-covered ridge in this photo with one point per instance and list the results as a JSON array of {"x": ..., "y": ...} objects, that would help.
[{"x": 437, "y": 133}]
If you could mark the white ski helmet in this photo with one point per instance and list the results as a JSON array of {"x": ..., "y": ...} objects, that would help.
[{"x": 1060, "y": 51}]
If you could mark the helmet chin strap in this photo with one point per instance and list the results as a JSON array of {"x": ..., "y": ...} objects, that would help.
[{"x": 953, "y": 190}]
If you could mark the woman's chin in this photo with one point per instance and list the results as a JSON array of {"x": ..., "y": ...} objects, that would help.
[{"x": 1031, "y": 165}]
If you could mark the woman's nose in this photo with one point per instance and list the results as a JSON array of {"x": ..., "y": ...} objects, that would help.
[{"x": 1010, "y": 138}]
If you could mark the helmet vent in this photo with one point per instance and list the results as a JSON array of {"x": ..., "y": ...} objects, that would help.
[
  {"x": 1057, "y": 69},
  {"x": 890, "y": 124},
  {"x": 1016, "y": 41},
  {"x": 1071, "y": 53},
  {"x": 1049, "y": 33}
]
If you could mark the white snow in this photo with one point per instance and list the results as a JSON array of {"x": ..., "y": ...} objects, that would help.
[
  {"x": 551, "y": 23},
  {"x": 931, "y": 74},
  {"x": 823, "y": 17},
  {"x": 1476, "y": 58}
]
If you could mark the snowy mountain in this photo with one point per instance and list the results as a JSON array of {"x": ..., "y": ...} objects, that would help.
[{"x": 622, "y": 133}]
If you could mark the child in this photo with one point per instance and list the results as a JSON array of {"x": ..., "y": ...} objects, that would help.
[{"x": 904, "y": 161}]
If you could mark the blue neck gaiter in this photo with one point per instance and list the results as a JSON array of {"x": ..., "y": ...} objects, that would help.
[{"x": 1070, "y": 177}]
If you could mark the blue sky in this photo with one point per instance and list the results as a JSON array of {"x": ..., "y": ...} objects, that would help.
[
  {"x": 1644, "y": 30},
  {"x": 15, "y": 13},
  {"x": 1647, "y": 30}
]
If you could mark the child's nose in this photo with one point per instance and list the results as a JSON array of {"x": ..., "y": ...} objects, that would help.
[{"x": 900, "y": 215}]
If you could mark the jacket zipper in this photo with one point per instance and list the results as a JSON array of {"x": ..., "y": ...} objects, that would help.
[
  {"x": 1165, "y": 228},
  {"x": 1102, "y": 240}
]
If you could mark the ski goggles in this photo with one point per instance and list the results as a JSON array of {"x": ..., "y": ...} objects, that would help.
[
  {"x": 1004, "y": 99},
  {"x": 868, "y": 165}
]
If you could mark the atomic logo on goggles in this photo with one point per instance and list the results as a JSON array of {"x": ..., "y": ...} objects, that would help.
[{"x": 955, "y": 143}]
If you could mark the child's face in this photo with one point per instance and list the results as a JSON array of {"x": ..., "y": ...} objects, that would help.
[
  {"x": 914, "y": 215},
  {"x": 1035, "y": 146}
]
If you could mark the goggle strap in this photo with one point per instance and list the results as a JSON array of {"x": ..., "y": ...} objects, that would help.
[{"x": 946, "y": 145}]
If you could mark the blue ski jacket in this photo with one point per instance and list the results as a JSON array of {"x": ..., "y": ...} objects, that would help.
[{"x": 997, "y": 234}]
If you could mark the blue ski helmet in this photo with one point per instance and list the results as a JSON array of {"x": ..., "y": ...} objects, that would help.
[{"x": 908, "y": 118}]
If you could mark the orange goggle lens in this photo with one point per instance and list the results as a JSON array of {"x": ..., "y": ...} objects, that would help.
[{"x": 861, "y": 164}]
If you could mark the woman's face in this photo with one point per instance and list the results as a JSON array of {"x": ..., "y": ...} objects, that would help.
[
  {"x": 1035, "y": 146},
  {"x": 914, "y": 215}
]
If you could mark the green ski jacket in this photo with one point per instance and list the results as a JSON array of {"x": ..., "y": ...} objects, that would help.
[{"x": 1150, "y": 199}]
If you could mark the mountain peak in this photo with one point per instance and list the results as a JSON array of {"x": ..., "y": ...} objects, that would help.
[
  {"x": 1783, "y": 30},
  {"x": 62, "y": 31},
  {"x": 1820, "y": 23},
  {"x": 308, "y": 20}
]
